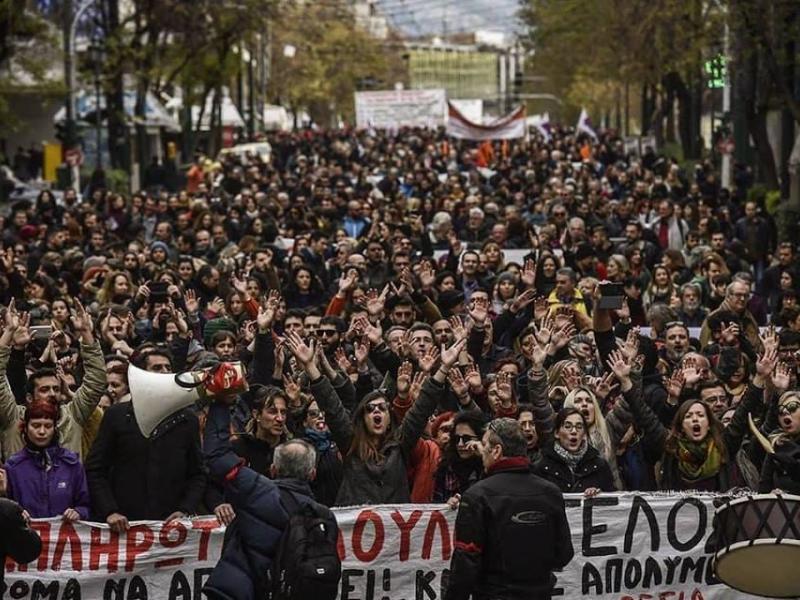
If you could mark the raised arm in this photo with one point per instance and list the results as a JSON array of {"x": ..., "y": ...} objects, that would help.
[
  {"x": 9, "y": 411},
  {"x": 752, "y": 401},
  {"x": 94, "y": 369}
]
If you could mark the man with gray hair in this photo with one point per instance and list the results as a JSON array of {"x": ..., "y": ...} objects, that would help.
[
  {"x": 511, "y": 529},
  {"x": 266, "y": 511}
]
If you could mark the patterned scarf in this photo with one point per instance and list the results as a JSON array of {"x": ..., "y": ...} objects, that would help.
[
  {"x": 321, "y": 440},
  {"x": 698, "y": 460},
  {"x": 572, "y": 459}
]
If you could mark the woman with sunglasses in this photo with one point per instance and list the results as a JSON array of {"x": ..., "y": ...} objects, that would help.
[
  {"x": 570, "y": 461},
  {"x": 376, "y": 452},
  {"x": 313, "y": 428},
  {"x": 781, "y": 468},
  {"x": 461, "y": 464}
]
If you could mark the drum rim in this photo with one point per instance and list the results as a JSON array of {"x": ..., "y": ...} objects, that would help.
[
  {"x": 756, "y": 497},
  {"x": 738, "y": 545}
]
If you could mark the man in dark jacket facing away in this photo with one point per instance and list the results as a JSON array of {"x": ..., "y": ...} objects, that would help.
[
  {"x": 261, "y": 504},
  {"x": 17, "y": 540},
  {"x": 511, "y": 530}
]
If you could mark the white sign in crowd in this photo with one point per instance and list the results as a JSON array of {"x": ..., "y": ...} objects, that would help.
[{"x": 627, "y": 547}]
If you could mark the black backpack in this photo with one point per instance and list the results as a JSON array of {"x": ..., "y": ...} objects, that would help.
[{"x": 307, "y": 564}]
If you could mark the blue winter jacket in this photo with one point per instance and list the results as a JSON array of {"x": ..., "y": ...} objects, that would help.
[
  {"x": 254, "y": 536},
  {"x": 48, "y": 482}
]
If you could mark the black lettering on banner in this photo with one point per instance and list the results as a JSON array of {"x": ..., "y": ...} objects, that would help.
[
  {"x": 444, "y": 581},
  {"x": 690, "y": 564},
  {"x": 44, "y": 591},
  {"x": 613, "y": 576},
  {"x": 115, "y": 587},
  {"x": 72, "y": 591},
  {"x": 386, "y": 583},
  {"x": 711, "y": 579},
  {"x": 371, "y": 584},
  {"x": 672, "y": 563},
  {"x": 652, "y": 573},
  {"x": 137, "y": 589},
  {"x": 200, "y": 576},
  {"x": 348, "y": 587},
  {"x": 640, "y": 504},
  {"x": 179, "y": 587},
  {"x": 589, "y": 529},
  {"x": 702, "y": 523},
  {"x": 424, "y": 589},
  {"x": 633, "y": 573},
  {"x": 591, "y": 580},
  {"x": 19, "y": 589}
]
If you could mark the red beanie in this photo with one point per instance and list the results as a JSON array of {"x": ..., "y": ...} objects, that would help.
[{"x": 441, "y": 420}]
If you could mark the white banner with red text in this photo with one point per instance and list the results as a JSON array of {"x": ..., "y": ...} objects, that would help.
[{"x": 627, "y": 547}]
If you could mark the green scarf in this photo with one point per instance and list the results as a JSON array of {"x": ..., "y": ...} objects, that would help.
[{"x": 698, "y": 460}]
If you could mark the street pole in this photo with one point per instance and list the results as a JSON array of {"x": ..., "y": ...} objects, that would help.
[
  {"x": 727, "y": 158},
  {"x": 97, "y": 56}
]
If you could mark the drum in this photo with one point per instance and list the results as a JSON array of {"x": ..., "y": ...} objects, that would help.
[{"x": 757, "y": 545}]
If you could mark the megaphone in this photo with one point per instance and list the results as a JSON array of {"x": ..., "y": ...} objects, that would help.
[{"x": 157, "y": 396}]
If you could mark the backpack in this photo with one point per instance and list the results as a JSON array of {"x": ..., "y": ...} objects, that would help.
[{"x": 307, "y": 564}]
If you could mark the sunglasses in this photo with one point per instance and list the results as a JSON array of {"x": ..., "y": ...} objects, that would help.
[
  {"x": 381, "y": 406},
  {"x": 314, "y": 413},
  {"x": 464, "y": 439},
  {"x": 788, "y": 408},
  {"x": 327, "y": 332}
]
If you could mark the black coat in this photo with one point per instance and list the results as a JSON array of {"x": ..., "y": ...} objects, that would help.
[
  {"x": 143, "y": 478},
  {"x": 499, "y": 516},
  {"x": 591, "y": 472},
  {"x": 782, "y": 469},
  {"x": 17, "y": 540}
]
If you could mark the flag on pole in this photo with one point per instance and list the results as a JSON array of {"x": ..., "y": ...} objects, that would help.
[
  {"x": 585, "y": 125},
  {"x": 511, "y": 126},
  {"x": 541, "y": 123}
]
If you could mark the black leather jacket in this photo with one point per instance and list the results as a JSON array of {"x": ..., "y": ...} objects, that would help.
[{"x": 511, "y": 533}]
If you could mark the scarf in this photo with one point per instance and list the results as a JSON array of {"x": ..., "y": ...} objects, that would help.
[
  {"x": 698, "y": 460},
  {"x": 572, "y": 459},
  {"x": 321, "y": 440}
]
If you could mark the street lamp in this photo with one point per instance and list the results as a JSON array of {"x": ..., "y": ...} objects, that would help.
[{"x": 96, "y": 58}]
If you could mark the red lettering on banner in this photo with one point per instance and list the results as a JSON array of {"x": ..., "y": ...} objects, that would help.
[
  {"x": 98, "y": 548},
  {"x": 67, "y": 534},
  {"x": 133, "y": 547},
  {"x": 697, "y": 595},
  {"x": 170, "y": 544},
  {"x": 437, "y": 521},
  {"x": 340, "y": 545},
  {"x": 358, "y": 533},
  {"x": 44, "y": 530},
  {"x": 206, "y": 528},
  {"x": 405, "y": 528}
]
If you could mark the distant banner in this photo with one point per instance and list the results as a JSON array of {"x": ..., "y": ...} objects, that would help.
[
  {"x": 511, "y": 126},
  {"x": 627, "y": 547},
  {"x": 400, "y": 108}
]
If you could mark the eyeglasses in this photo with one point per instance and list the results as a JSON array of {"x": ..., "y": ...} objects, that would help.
[
  {"x": 327, "y": 332},
  {"x": 720, "y": 398},
  {"x": 464, "y": 439},
  {"x": 572, "y": 426},
  {"x": 314, "y": 413},
  {"x": 788, "y": 408},
  {"x": 380, "y": 406}
]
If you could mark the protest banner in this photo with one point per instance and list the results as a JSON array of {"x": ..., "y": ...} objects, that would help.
[
  {"x": 400, "y": 108},
  {"x": 627, "y": 547}
]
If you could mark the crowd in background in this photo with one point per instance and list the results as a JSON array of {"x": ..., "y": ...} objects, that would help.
[{"x": 389, "y": 295}]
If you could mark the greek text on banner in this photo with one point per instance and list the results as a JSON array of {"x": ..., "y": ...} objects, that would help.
[{"x": 627, "y": 547}]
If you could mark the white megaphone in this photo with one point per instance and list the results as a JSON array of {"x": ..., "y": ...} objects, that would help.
[{"x": 157, "y": 396}]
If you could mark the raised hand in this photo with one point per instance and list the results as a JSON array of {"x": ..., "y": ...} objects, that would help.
[
  {"x": 266, "y": 313},
  {"x": 782, "y": 376},
  {"x": 217, "y": 306},
  {"x": 505, "y": 391},
  {"x": 528, "y": 276},
  {"x": 544, "y": 332},
  {"x": 457, "y": 383},
  {"x": 604, "y": 385},
  {"x": 81, "y": 321},
  {"x": 375, "y": 302},
  {"x": 523, "y": 300},
  {"x": 342, "y": 360},
  {"x": 292, "y": 389},
  {"x": 304, "y": 353},
  {"x": 620, "y": 366},
  {"x": 479, "y": 310},
  {"x": 348, "y": 281},
  {"x": 361, "y": 351},
  {"x": 457, "y": 325},
  {"x": 691, "y": 372},
  {"x": 427, "y": 276},
  {"x": 473, "y": 377},
  {"x": 729, "y": 334},
  {"x": 572, "y": 376},
  {"x": 191, "y": 302},
  {"x": 766, "y": 362},
  {"x": 12, "y": 318},
  {"x": 562, "y": 336},
  {"x": 427, "y": 361},
  {"x": 539, "y": 353},
  {"x": 449, "y": 356},
  {"x": 240, "y": 285},
  {"x": 769, "y": 339},
  {"x": 630, "y": 348},
  {"x": 404, "y": 378},
  {"x": 416, "y": 385}
]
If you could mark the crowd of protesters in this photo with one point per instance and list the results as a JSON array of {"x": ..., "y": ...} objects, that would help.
[{"x": 364, "y": 280}]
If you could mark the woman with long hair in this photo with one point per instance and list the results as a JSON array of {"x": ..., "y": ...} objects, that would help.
[
  {"x": 696, "y": 452},
  {"x": 570, "y": 461},
  {"x": 117, "y": 289},
  {"x": 661, "y": 288},
  {"x": 376, "y": 450},
  {"x": 604, "y": 431},
  {"x": 264, "y": 430},
  {"x": 304, "y": 289},
  {"x": 781, "y": 467},
  {"x": 461, "y": 464},
  {"x": 546, "y": 268}
]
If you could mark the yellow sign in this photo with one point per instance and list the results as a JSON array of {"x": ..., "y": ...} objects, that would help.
[{"x": 52, "y": 159}]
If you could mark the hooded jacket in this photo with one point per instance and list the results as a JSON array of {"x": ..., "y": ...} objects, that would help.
[
  {"x": 47, "y": 482},
  {"x": 17, "y": 540}
]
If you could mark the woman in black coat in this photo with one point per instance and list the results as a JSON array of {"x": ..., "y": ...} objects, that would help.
[
  {"x": 781, "y": 468},
  {"x": 570, "y": 462}
]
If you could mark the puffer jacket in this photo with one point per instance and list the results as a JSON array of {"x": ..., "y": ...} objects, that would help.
[
  {"x": 47, "y": 482},
  {"x": 592, "y": 471},
  {"x": 511, "y": 533},
  {"x": 74, "y": 415},
  {"x": 255, "y": 534},
  {"x": 371, "y": 483}
]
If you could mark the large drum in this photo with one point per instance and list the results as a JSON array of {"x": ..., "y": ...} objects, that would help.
[{"x": 757, "y": 544}]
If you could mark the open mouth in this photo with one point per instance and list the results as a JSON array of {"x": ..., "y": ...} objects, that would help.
[
  {"x": 696, "y": 430},
  {"x": 787, "y": 422},
  {"x": 377, "y": 420}
]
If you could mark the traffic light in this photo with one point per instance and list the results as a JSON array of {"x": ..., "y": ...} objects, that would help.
[
  {"x": 516, "y": 88},
  {"x": 66, "y": 133}
]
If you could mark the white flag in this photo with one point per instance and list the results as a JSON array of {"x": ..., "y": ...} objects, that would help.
[{"x": 585, "y": 125}]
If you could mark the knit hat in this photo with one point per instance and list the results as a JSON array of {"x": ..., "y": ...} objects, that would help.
[
  {"x": 215, "y": 325},
  {"x": 159, "y": 245}
]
